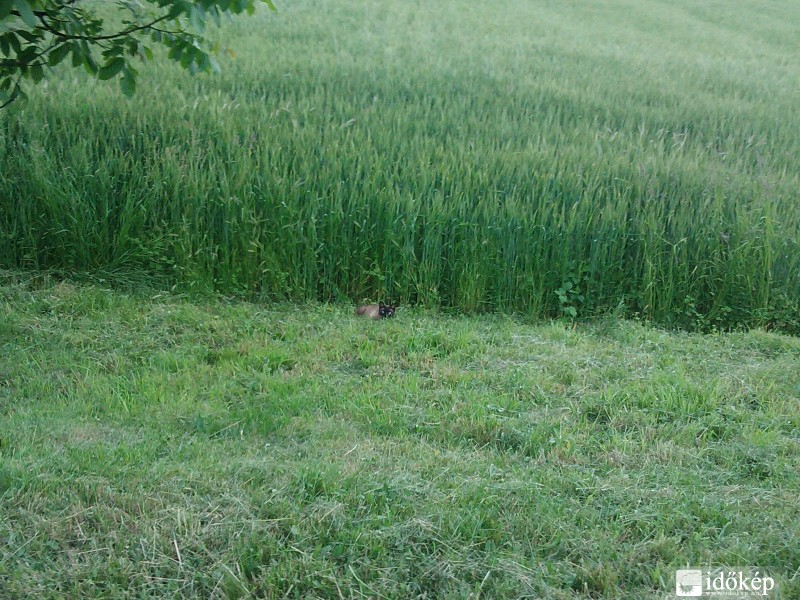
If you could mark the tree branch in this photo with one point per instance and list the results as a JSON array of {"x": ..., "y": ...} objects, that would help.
[
  {"x": 92, "y": 38},
  {"x": 14, "y": 93}
]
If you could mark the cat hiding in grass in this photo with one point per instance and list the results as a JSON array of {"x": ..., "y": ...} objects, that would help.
[{"x": 377, "y": 311}]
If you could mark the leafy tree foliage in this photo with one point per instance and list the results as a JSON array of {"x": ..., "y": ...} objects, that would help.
[{"x": 38, "y": 34}]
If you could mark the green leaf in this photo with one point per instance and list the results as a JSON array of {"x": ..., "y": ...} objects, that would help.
[
  {"x": 77, "y": 55},
  {"x": 5, "y": 8},
  {"x": 14, "y": 42},
  {"x": 26, "y": 12},
  {"x": 187, "y": 58},
  {"x": 116, "y": 50},
  {"x": 29, "y": 36},
  {"x": 145, "y": 53},
  {"x": 201, "y": 58},
  {"x": 178, "y": 8},
  {"x": 127, "y": 83},
  {"x": 58, "y": 54},
  {"x": 108, "y": 70},
  {"x": 175, "y": 51},
  {"x": 36, "y": 72},
  {"x": 89, "y": 64},
  {"x": 28, "y": 54}
]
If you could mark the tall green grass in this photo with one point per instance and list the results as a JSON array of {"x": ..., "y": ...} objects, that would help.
[{"x": 545, "y": 158}]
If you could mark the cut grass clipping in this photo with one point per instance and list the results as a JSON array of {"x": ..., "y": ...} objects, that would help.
[
  {"x": 550, "y": 159},
  {"x": 155, "y": 447}
]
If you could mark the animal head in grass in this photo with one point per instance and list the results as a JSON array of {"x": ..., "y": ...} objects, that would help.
[
  {"x": 386, "y": 310},
  {"x": 377, "y": 311}
]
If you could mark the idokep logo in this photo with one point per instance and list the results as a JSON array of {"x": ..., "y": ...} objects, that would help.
[
  {"x": 689, "y": 582},
  {"x": 738, "y": 582}
]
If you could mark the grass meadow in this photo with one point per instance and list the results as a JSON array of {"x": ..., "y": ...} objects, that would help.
[
  {"x": 543, "y": 158},
  {"x": 190, "y": 409},
  {"x": 157, "y": 447}
]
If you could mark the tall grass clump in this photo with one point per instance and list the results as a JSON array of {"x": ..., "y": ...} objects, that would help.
[{"x": 548, "y": 159}]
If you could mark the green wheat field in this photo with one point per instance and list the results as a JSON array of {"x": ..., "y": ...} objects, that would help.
[
  {"x": 589, "y": 211},
  {"x": 544, "y": 158}
]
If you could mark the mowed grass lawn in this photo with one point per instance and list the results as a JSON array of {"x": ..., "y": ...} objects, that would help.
[{"x": 153, "y": 446}]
